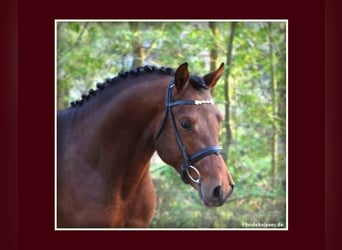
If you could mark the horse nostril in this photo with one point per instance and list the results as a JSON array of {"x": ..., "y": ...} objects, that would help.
[
  {"x": 231, "y": 190},
  {"x": 218, "y": 192}
]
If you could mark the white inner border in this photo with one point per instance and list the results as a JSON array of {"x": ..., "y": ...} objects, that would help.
[{"x": 169, "y": 229}]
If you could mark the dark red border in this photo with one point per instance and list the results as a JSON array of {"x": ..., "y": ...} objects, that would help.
[
  {"x": 306, "y": 124},
  {"x": 333, "y": 118},
  {"x": 8, "y": 124}
]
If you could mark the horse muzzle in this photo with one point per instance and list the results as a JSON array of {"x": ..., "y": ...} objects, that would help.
[{"x": 214, "y": 196}]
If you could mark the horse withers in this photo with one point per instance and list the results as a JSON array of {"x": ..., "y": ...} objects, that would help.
[{"x": 106, "y": 140}]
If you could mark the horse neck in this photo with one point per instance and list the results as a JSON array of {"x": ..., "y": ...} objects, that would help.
[{"x": 120, "y": 132}]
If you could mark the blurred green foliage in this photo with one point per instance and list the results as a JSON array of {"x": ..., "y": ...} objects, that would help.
[
  {"x": 179, "y": 206},
  {"x": 90, "y": 52}
]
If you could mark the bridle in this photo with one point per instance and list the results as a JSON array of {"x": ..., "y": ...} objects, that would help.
[{"x": 188, "y": 161}]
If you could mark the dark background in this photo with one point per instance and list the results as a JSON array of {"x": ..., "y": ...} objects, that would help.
[{"x": 27, "y": 125}]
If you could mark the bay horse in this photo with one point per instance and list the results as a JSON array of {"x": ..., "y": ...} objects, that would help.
[{"x": 105, "y": 142}]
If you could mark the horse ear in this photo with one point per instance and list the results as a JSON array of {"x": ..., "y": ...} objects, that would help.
[
  {"x": 212, "y": 78},
  {"x": 182, "y": 76}
]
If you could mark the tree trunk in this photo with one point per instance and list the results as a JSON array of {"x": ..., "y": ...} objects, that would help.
[
  {"x": 227, "y": 93},
  {"x": 138, "y": 49},
  {"x": 274, "y": 90},
  {"x": 213, "y": 50}
]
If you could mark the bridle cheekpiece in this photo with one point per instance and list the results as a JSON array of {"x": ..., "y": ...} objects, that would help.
[{"x": 188, "y": 161}]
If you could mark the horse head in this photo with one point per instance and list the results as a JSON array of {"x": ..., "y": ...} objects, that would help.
[{"x": 188, "y": 137}]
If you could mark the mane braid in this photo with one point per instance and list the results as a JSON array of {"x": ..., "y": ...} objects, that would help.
[{"x": 122, "y": 75}]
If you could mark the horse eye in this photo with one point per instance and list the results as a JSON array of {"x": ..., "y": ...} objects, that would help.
[{"x": 186, "y": 125}]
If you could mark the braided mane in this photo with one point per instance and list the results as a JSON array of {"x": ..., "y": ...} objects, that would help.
[{"x": 196, "y": 81}]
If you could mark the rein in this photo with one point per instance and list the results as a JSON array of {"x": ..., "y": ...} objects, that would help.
[{"x": 188, "y": 161}]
